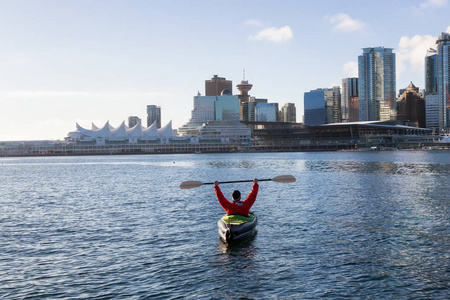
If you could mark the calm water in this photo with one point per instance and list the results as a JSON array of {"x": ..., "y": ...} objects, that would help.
[{"x": 362, "y": 225}]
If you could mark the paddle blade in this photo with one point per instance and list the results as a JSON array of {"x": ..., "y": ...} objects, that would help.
[
  {"x": 284, "y": 178},
  {"x": 190, "y": 184}
]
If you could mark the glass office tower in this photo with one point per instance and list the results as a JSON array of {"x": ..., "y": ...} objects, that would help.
[
  {"x": 376, "y": 84},
  {"x": 215, "y": 108},
  {"x": 349, "y": 90},
  {"x": 322, "y": 106},
  {"x": 443, "y": 77},
  {"x": 437, "y": 85}
]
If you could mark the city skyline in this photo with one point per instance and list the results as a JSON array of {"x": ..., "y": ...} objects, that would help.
[{"x": 84, "y": 61}]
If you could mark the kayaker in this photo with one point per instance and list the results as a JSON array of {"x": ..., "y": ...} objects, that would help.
[{"x": 237, "y": 207}]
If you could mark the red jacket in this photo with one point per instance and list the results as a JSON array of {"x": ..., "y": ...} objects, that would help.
[{"x": 240, "y": 208}]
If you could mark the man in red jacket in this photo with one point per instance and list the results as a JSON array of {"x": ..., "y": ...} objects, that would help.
[{"x": 237, "y": 207}]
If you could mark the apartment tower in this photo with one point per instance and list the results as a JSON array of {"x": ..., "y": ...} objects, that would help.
[{"x": 376, "y": 84}]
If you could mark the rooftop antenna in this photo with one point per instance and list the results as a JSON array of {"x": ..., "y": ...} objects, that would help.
[{"x": 244, "y": 74}]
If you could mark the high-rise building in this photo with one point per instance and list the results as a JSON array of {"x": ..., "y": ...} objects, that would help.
[
  {"x": 349, "y": 90},
  {"x": 248, "y": 109},
  {"x": 322, "y": 106},
  {"x": 133, "y": 121},
  {"x": 411, "y": 107},
  {"x": 216, "y": 85},
  {"x": 288, "y": 113},
  {"x": 153, "y": 115},
  {"x": 353, "y": 112},
  {"x": 266, "y": 112},
  {"x": 376, "y": 84},
  {"x": 314, "y": 105},
  {"x": 335, "y": 106},
  {"x": 433, "y": 110},
  {"x": 215, "y": 108},
  {"x": 437, "y": 85}
]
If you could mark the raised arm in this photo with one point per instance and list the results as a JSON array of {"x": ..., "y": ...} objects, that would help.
[
  {"x": 252, "y": 196},
  {"x": 222, "y": 200}
]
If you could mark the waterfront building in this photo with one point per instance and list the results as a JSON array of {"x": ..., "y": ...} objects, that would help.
[
  {"x": 411, "y": 107},
  {"x": 322, "y": 106},
  {"x": 215, "y": 108},
  {"x": 133, "y": 121},
  {"x": 248, "y": 109},
  {"x": 437, "y": 85},
  {"x": 353, "y": 112},
  {"x": 314, "y": 105},
  {"x": 153, "y": 115},
  {"x": 288, "y": 113},
  {"x": 349, "y": 90},
  {"x": 122, "y": 134},
  {"x": 216, "y": 85},
  {"x": 335, "y": 106},
  {"x": 376, "y": 84},
  {"x": 266, "y": 112}
]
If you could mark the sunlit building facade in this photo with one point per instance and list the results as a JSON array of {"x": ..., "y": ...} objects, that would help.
[
  {"x": 349, "y": 90},
  {"x": 216, "y": 85},
  {"x": 322, "y": 106},
  {"x": 215, "y": 108},
  {"x": 437, "y": 86},
  {"x": 376, "y": 84},
  {"x": 314, "y": 105},
  {"x": 289, "y": 113},
  {"x": 266, "y": 112}
]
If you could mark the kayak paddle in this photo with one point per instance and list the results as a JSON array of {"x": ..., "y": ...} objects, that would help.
[{"x": 194, "y": 184}]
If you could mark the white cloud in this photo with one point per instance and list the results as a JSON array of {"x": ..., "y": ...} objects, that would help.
[
  {"x": 253, "y": 22},
  {"x": 411, "y": 52},
  {"x": 433, "y": 3},
  {"x": 343, "y": 22},
  {"x": 273, "y": 34},
  {"x": 351, "y": 69},
  {"x": 448, "y": 29}
]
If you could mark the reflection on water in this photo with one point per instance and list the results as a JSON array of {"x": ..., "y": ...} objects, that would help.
[
  {"x": 354, "y": 225},
  {"x": 387, "y": 168}
]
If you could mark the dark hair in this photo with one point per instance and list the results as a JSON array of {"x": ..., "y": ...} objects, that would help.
[{"x": 236, "y": 195}]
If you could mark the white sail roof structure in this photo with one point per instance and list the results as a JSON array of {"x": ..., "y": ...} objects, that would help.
[
  {"x": 119, "y": 132},
  {"x": 123, "y": 132},
  {"x": 104, "y": 132},
  {"x": 167, "y": 131},
  {"x": 136, "y": 131},
  {"x": 150, "y": 132}
]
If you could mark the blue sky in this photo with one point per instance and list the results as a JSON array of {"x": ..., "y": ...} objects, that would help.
[{"x": 63, "y": 62}]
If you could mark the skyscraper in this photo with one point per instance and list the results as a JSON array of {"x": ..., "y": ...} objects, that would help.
[
  {"x": 288, "y": 113},
  {"x": 266, "y": 112},
  {"x": 433, "y": 109},
  {"x": 443, "y": 63},
  {"x": 215, "y": 108},
  {"x": 153, "y": 115},
  {"x": 437, "y": 85},
  {"x": 376, "y": 84},
  {"x": 216, "y": 85},
  {"x": 248, "y": 109},
  {"x": 349, "y": 90},
  {"x": 322, "y": 106}
]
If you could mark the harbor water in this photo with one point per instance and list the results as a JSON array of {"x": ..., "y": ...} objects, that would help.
[{"x": 355, "y": 225}]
